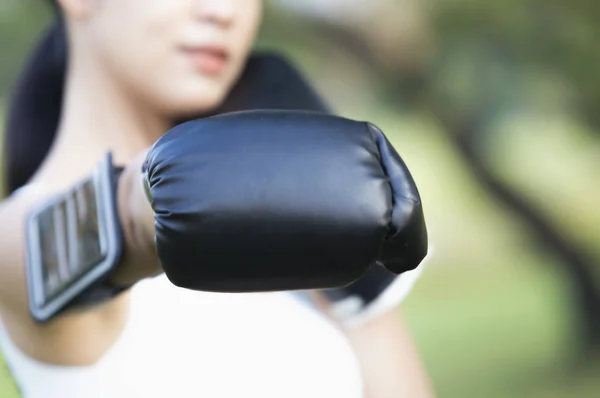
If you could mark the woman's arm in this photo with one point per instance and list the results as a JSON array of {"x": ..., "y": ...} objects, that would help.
[{"x": 390, "y": 363}]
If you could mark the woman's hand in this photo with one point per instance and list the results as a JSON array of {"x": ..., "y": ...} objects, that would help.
[{"x": 232, "y": 213}]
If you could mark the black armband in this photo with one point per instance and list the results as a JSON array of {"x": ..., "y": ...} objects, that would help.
[{"x": 74, "y": 243}]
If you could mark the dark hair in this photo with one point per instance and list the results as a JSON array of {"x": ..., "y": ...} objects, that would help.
[{"x": 35, "y": 108}]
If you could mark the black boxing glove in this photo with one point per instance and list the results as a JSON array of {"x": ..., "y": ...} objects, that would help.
[{"x": 281, "y": 200}]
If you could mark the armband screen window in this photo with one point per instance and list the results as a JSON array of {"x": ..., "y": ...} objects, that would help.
[{"x": 70, "y": 237}]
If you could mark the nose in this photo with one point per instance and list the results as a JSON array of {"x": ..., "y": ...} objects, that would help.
[{"x": 220, "y": 12}]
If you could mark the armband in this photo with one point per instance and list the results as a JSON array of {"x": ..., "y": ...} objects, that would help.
[{"x": 74, "y": 243}]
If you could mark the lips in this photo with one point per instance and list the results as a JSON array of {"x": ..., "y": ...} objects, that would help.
[{"x": 210, "y": 60}]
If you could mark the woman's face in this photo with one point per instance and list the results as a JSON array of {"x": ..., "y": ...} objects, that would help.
[{"x": 180, "y": 56}]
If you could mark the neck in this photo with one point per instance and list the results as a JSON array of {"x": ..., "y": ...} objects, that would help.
[{"x": 100, "y": 115}]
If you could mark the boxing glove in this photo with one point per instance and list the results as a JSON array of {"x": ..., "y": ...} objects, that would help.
[{"x": 280, "y": 200}]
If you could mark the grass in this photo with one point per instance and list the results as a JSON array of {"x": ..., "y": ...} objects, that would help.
[
  {"x": 8, "y": 388},
  {"x": 488, "y": 334}
]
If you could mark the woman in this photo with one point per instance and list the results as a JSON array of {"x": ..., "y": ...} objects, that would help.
[{"x": 134, "y": 68}]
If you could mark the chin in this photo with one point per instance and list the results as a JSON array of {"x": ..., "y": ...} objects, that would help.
[{"x": 192, "y": 102}]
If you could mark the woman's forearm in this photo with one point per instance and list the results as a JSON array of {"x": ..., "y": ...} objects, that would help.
[{"x": 390, "y": 363}]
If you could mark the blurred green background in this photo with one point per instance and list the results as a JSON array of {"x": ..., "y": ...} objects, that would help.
[{"x": 493, "y": 105}]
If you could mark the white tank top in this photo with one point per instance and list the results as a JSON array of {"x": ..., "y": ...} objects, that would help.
[{"x": 180, "y": 344}]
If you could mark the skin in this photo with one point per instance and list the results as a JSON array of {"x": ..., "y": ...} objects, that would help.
[{"x": 124, "y": 86}]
